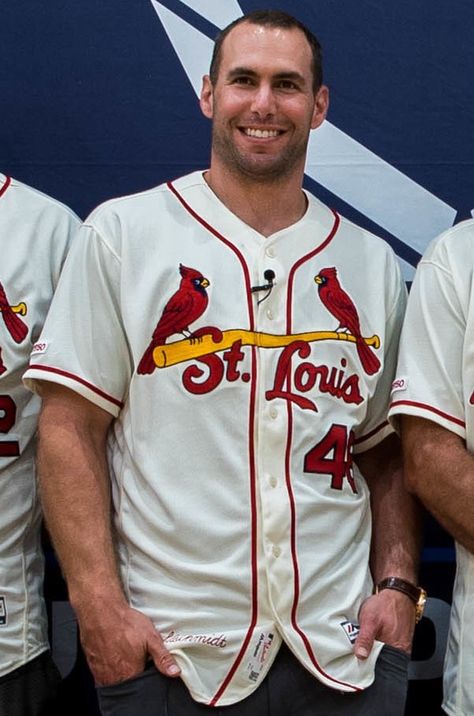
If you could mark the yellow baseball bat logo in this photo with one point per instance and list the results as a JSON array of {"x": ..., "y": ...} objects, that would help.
[
  {"x": 19, "y": 308},
  {"x": 212, "y": 340}
]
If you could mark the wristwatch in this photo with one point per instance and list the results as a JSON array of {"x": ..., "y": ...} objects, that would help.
[{"x": 416, "y": 594}]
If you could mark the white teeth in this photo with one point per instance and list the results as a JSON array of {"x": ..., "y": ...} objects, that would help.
[{"x": 261, "y": 133}]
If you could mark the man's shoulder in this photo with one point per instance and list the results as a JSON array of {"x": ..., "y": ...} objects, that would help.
[
  {"x": 136, "y": 203},
  {"x": 31, "y": 202},
  {"x": 360, "y": 238},
  {"x": 455, "y": 237},
  {"x": 360, "y": 233},
  {"x": 454, "y": 246}
]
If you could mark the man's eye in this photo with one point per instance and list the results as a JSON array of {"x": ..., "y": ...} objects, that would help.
[
  {"x": 243, "y": 81},
  {"x": 286, "y": 84}
]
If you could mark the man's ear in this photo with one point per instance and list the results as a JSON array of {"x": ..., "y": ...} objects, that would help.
[
  {"x": 206, "y": 100},
  {"x": 321, "y": 105}
]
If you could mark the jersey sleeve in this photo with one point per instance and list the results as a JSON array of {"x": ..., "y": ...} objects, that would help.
[
  {"x": 429, "y": 382},
  {"x": 376, "y": 426},
  {"x": 82, "y": 345},
  {"x": 61, "y": 237}
]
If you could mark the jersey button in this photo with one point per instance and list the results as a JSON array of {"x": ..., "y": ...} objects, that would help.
[
  {"x": 273, "y": 413},
  {"x": 276, "y": 551},
  {"x": 269, "y": 313},
  {"x": 270, "y": 252},
  {"x": 273, "y": 481}
]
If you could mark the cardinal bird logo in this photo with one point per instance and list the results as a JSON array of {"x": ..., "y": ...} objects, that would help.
[
  {"x": 15, "y": 326},
  {"x": 341, "y": 306},
  {"x": 183, "y": 308}
]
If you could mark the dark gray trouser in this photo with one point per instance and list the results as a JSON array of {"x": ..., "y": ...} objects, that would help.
[
  {"x": 288, "y": 690},
  {"x": 31, "y": 689}
]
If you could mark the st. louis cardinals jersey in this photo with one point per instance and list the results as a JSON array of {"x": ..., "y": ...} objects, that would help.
[
  {"x": 242, "y": 518},
  {"x": 435, "y": 381},
  {"x": 34, "y": 235}
]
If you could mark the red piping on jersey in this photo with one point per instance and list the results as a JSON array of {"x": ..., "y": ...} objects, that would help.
[
  {"x": 253, "y": 486},
  {"x": 6, "y": 184},
  {"x": 291, "y": 497},
  {"x": 371, "y": 433},
  {"x": 414, "y": 404},
  {"x": 49, "y": 369}
]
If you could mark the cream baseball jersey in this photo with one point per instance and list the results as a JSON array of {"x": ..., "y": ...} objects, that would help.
[
  {"x": 435, "y": 381},
  {"x": 34, "y": 235},
  {"x": 241, "y": 515}
]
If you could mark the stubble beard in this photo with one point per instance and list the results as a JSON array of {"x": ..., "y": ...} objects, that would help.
[{"x": 258, "y": 167}]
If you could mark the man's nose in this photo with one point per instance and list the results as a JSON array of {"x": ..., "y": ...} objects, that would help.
[{"x": 263, "y": 101}]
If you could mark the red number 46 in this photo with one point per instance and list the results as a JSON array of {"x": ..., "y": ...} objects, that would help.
[{"x": 333, "y": 456}]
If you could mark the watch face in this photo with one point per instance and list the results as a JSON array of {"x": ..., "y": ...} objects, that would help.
[{"x": 420, "y": 605}]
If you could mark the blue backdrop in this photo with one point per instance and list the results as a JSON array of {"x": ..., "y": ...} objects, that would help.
[{"x": 98, "y": 98}]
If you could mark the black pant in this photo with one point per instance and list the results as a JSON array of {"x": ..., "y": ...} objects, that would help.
[
  {"x": 31, "y": 689},
  {"x": 288, "y": 690}
]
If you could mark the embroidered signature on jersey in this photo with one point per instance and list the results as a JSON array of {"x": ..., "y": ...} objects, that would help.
[
  {"x": 216, "y": 640},
  {"x": 11, "y": 318},
  {"x": 341, "y": 306},
  {"x": 184, "y": 307}
]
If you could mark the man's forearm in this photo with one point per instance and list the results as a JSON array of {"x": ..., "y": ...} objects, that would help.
[
  {"x": 440, "y": 470},
  {"x": 389, "y": 615},
  {"x": 396, "y": 523},
  {"x": 75, "y": 492}
]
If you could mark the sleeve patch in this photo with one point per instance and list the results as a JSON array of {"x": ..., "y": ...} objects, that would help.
[
  {"x": 39, "y": 348},
  {"x": 399, "y": 384}
]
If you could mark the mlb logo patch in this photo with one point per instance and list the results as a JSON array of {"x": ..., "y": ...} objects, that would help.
[
  {"x": 351, "y": 630},
  {"x": 3, "y": 611}
]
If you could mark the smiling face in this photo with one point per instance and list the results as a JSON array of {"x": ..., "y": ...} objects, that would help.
[{"x": 263, "y": 105}]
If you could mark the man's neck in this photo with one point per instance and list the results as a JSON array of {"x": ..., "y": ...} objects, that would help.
[{"x": 267, "y": 207}]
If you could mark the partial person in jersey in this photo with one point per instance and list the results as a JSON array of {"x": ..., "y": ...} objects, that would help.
[
  {"x": 35, "y": 232},
  {"x": 207, "y": 395},
  {"x": 433, "y": 405}
]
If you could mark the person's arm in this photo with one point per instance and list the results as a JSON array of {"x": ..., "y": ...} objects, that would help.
[
  {"x": 75, "y": 491},
  {"x": 440, "y": 470},
  {"x": 396, "y": 535}
]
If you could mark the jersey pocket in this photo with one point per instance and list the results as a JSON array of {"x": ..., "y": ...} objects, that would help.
[
  {"x": 141, "y": 694},
  {"x": 394, "y": 661}
]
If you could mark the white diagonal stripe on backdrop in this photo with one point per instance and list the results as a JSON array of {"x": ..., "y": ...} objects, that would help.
[{"x": 218, "y": 12}]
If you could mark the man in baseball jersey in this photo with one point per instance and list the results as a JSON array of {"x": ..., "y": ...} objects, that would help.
[
  {"x": 433, "y": 401},
  {"x": 217, "y": 364},
  {"x": 34, "y": 234}
]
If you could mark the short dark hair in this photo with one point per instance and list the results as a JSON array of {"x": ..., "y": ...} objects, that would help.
[{"x": 271, "y": 18}]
